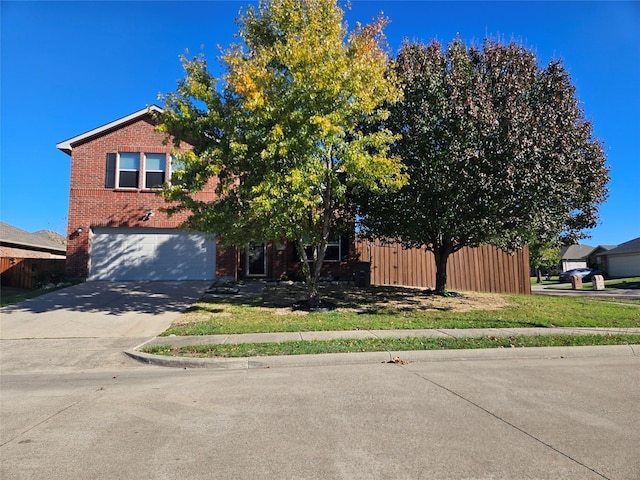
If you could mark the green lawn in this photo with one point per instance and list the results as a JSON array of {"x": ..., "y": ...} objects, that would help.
[
  {"x": 385, "y": 308},
  {"x": 10, "y": 295},
  {"x": 553, "y": 280},
  {"x": 624, "y": 283}
]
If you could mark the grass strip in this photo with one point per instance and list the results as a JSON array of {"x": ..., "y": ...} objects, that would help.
[{"x": 387, "y": 344}]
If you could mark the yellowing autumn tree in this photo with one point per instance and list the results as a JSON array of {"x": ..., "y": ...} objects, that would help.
[{"x": 289, "y": 129}]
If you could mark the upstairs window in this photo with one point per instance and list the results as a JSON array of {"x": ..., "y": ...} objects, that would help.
[
  {"x": 128, "y": 170},
  {"x": 155, "y": 165},
  {"x": 176, "y": 164},
  {"x": 136, "y": 170}
]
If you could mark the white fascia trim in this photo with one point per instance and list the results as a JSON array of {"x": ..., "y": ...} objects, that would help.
[{"x": 67, "y": 145}]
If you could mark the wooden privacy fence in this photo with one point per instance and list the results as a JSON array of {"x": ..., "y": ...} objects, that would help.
[
  {"x": 482, "y": 269},
  {"x": 30, "y": 272}
]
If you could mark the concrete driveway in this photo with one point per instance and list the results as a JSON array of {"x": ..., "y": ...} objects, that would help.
[{"x": 100, "y": 310}]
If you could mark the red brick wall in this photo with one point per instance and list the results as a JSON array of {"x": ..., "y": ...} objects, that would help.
[
  {"x": 227, "y": 261},
  {"x": 93, "y": 205}
]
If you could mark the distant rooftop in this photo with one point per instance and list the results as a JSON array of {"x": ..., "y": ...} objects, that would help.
[
  {"x": 42, "y": 239},
  {"x": 632, "y": 246},
  {"x": 575, "y": 252}
]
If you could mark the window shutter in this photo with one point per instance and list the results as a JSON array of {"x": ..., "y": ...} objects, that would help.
[
  {"x": 345, "y": 243},
  {"x": 110, "y": 181}
]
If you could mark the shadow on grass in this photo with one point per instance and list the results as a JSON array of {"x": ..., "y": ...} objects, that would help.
[{"x": 374, "y": 300}]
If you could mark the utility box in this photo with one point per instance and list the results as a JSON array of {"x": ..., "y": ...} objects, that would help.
[
  {"x": 597, "y": 282},
  {"x": 362, "y": 274},
  {"x": 576, "y": 282}
]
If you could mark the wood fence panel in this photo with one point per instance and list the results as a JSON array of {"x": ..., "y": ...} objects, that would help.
[
  {"x": 30, "y": 272},
  {"x": 484, "y": 269}
]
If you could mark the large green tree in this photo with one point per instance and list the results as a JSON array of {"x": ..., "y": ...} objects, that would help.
[
  {"x": 497, "y": 149},
  {"x": 285, "y": 132}
]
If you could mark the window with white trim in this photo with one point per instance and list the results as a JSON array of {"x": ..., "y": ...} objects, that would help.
[
  {"x": 337, "y": 249},
  {"x": 136, "y": 170},
  {"x": 333, "y": 251},
  {"x": 128, "y": 170},
  {"x": 155, "y": 165}
]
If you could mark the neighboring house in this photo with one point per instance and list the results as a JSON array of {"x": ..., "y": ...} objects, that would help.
[
  {"x": 623, "y": 260},
  {"x": 17, "y": 243},
  {"x": 574, "y": 256},
  {"x": 29, "y": 260},
  {"x": 598, "y": 261}
]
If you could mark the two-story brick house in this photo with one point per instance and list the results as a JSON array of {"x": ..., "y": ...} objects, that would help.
[{"x": 116, "y": 228}]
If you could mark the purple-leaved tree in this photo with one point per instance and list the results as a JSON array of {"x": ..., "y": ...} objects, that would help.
[{"x": 497, "y": 149}]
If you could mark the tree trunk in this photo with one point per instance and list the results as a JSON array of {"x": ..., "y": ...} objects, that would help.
[
  {"x": 538, "y": 275},
  {"x": 320, "y": 250},
  {"x": 311, "y": 268},
  {"x": 442, "y": 257},
  {"x": 312, "y": 287}
]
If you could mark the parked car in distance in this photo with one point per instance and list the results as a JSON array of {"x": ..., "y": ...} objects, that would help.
[{"x": 585, "y": 273}]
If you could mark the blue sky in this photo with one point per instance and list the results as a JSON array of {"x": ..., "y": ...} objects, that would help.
[{"x": 68, "y": 67}]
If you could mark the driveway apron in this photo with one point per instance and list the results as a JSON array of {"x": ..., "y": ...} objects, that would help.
[{"x": 100, "y": 310}]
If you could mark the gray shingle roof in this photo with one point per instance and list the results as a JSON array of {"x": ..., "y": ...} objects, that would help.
[
  {"x": 574, "y": 252},
  {"x": 632, "y": 246},
  {"x": 607, "y": 247},
  {"x": 42, "y": 239}
]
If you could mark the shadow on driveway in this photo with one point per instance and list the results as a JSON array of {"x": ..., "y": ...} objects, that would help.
[
  {"x": 115, "y": 298},
  {"x": 100, "y": 309}
]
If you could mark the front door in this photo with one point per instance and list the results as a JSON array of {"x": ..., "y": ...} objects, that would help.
[{"x": 256, "y": 264}]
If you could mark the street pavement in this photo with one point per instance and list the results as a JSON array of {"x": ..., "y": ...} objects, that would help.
[
  {"x": 548, "y": 417},
  {"x": 73, "y": 405}
]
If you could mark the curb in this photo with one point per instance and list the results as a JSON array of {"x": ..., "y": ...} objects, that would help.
[{"x": 409, "y": 356}]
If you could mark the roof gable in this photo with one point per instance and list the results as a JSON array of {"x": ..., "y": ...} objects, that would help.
[
  {"x": 67, "y": 145},
  {"x": 632, "y": 246}
]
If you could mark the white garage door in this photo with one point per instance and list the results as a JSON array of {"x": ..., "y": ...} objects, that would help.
[
  {"x": 624, "y": 265},
  {"x": 150, "y": 254}
]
